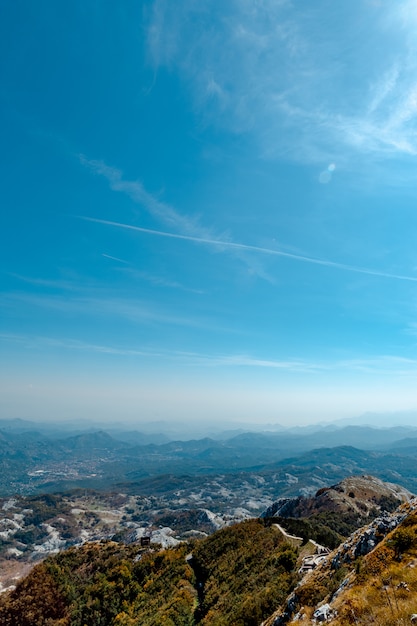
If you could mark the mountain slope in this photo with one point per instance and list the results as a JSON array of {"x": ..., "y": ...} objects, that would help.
[
  {"x": 238, "y": 575},
  {"x": 335, "y": 512},
  {"x": 371, "y": 578},
  {"x": 355, "y": 494}
]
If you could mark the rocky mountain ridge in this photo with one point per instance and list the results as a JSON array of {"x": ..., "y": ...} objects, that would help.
[
  {"x": 316, "y": 599},
  {"x": 356, "y": 495}
]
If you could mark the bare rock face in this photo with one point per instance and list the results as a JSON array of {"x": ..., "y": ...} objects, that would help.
[
  {"x": 365, "y": 539},
  {"x": 324, "y": 613}
]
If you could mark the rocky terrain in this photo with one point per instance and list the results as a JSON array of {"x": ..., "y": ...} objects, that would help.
[
  {"x": 164, "y": 494},
  {"x": 342, "y": 588},
  {"x": 247, "y": 573},
  {"x": 33, "y": 527},
  {"x": 355, "y": 495}
]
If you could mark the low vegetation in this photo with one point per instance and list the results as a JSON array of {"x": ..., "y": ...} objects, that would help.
[
  {"x": 245, "y": 571},
  {"x": 242, "y": 575},
  {"x": 379, "y": 588},
  {"x": 320, "y": 528},
  {"x": 102, "y": 584},
  {"x": 383, "y": 590},
  {"x": 236, "y": 576}
]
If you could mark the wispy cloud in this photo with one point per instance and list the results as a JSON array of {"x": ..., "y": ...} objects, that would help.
[
  {"x": 186, "y": 358},
  {"x": 169, "y": 216},
  {"x": 163, "y": 282},
  {"x": 383, "y": 88},
  {"x": 162, "y": 211},
  {"x": 43, "y": 282},
  {"x": 40, "y": 342},
  {"x": 380, "y": 364},
  {"x": 257, "y": 249},
  {"x": 295, "y": 82},
  {"x": 248, "y": 361},
  {"x": 107, "y": 305}
]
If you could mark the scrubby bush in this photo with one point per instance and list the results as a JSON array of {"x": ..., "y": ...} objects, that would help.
[{"x": 402, "y": 539}]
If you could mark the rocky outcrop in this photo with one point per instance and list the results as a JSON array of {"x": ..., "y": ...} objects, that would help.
[
  {"x": 363, "y": 496},
  {"x": 365, "y": 539}
]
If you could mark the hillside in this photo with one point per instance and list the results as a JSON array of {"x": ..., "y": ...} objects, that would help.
[
  {"x": 356, "y": 495},
  {"x": 334, "y": 512},
  {"x": 239, "y": 575},
  {"x": 371, "y": 578},
  {"x": 33, "y": 527}
]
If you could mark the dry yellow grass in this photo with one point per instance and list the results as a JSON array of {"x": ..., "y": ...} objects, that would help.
[
  {"x": 383, "y": 589},
  {"x": 386, "y": 599}
]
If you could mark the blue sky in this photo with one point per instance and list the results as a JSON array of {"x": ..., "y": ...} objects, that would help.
[{"x": 208, "y": 209}]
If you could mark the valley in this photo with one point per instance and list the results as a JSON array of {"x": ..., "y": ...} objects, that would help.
[{"x": 38, "y": 459}]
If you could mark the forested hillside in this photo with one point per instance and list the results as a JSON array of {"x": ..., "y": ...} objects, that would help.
[{"x": 238, "y": 575}]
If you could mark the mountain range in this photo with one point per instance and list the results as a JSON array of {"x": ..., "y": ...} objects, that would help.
[{"x": 40, "y": 460}]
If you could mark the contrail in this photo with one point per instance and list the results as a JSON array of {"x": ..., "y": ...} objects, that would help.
[
  {"x": 114, "y": 258},
  {"x": 243, "y": 246}
]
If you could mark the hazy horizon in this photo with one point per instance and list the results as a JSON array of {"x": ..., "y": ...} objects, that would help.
[
  {"x": 193, "y": 429},
  {"x": 208, "y": 211}
]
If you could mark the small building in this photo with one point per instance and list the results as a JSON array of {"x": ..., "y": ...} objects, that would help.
[{"x": 312, "y": 561}]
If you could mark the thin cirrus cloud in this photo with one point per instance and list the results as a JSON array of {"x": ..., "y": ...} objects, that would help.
[
  {"x": 250, "y": 248},
  {"x": 387, "y": 364},
  {"x": 382, "y": 364},
  {"x": 190, "y": 358},
  {"x": 282, "y": 77},
  {"x": 383, "y": 88},
  {"x": 61, "y": 285},
  {"x": 163, "y": 282},
  {"x": 136, "y": 191},
  {"x": 108, "y": 306},
  {"x": 165, "y": 213},
  {"x": 40, "y": 342}
]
